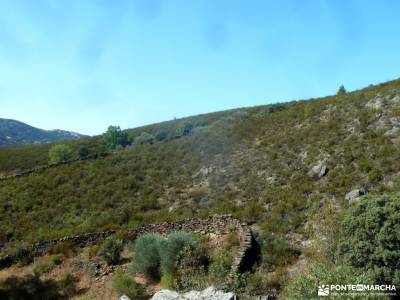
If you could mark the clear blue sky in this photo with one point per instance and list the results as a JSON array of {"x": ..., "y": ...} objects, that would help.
[{"x": 84, "y": 64}]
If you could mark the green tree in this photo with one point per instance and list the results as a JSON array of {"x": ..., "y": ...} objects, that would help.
[
  {"x": 341, "y": 90},
  {"x": 59, "y": 153},
  {"x": 371, "y": 237},
  {"x": 114, "y": 137},
  {"x": 83, "y": 152}
]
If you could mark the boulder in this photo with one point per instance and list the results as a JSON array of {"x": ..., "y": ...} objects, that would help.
[
  {"x": 209, "y": 293},
  {"x": 319, "y": 169},
  {"x": 354, "y": 194},
  {"x": 124, "y": 297}
]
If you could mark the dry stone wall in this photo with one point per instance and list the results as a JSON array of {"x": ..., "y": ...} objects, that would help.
[
  {"x": 45, "y": 167},
  {"x": 219, "y": 225}
]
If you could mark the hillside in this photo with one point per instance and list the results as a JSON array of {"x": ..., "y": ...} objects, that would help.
[
  {"x": 14, "y": 132},
  {"x": 280, "y": 167}
]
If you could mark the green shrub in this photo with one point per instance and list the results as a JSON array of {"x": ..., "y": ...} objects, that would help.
[
  {"x": 42, "y": 266},
  {"x": 59, "y": 153},
  {"x": 65, "y": 247},
  {"x": 125, "y": 285},
  {"x": 191, "y": 269},
  {"x": 175, "y": 243},
  {"x": 371, "y": 237},
  {"x": 144, "y": 138},
  {"x": 68, "y": 285},
  {"x": 22, "y": 254},
  {"x": 147, "y": 258},
  {"x": 83, "y": 152},
  {"x": 220, "y": 266},
  {"x": 305, "y": 285},
  {"x": 57, "y": 258},
  {"x": 275, "y": 251},
  {"x": 111, "y": 250}
]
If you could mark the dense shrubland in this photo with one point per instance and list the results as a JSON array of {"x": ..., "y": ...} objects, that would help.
[{"x": 253, "y": 163}]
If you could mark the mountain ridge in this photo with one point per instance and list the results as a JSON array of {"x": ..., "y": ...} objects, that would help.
[{"x": 14, "y": 133}]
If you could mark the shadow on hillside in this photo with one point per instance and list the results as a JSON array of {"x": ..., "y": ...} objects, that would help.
[{"x": 29, "y": 287}]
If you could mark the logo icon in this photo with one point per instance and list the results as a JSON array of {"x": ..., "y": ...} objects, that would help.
[{"x": 323, "y": 290}]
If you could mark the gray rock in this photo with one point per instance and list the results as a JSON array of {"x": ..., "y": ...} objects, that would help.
[
  {"x": 319, "y": 169},
  {"x": 124, "y": 297},
  {"x": 354, "y": 194},
  {"x": 166, "y": 295},
  {"x": 375, "y": 103},
  {"x": 209, "y": 293},
  {"x": 204, "y": 172}
]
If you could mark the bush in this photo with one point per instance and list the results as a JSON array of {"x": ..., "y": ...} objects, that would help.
[
  {"x": 147, "y": 258},
  {"x": 57, "y": 258},
  {"x": 59, "y": 153},
  {"x": 42, "y": 266},
  {"x": 114, "y": 137},
  {"x": 22, "y": 254},
  {"x": 191, "y": 269},
  {"x": 83, "y": 152},
  {"x": 144, "y": 138},
  {"x": 68, "y": 285},
  {"x": 185, "y": 129},
  {"x": 66, "y": 248},
  {"x": 305, "y": 285},
  {"x": 111, "y": 250},
  {"x": 371, "y": 237},
  {"x": 125, "y": 285},
  {"x": 220, "y": 266},
  {"x": 175, "y": 243},
  {"x": 275, "y": 251}
]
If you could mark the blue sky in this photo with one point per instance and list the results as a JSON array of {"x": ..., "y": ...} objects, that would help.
[{"x": 82, "y": 65}]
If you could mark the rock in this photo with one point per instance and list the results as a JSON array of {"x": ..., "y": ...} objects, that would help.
[
  {"x": 353, "y": 194},
  {"x": 166, "y": 295},
  {"x": 319, "y": 169},
  {"x": 392, "y": 132},
  {"x": 272, "y": 179},
  {"x": 204, "y": 172},
  {"x": 209, "y": 293},
  {"x": 124, "y": 297},
  {"x": 375, "y": 103}
]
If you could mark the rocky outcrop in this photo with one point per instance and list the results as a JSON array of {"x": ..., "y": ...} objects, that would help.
[
  {"x": 319, "y": 169},
  {"x": 209, "y": 293},
  {"x": 354, "y": 194}
]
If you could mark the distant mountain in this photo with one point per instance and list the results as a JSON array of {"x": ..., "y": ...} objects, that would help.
[{"x": 14, "y": 132}]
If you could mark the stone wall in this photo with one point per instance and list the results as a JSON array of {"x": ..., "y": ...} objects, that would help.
[
  {"x": 219, "y": 225},
  {"x": 45, "y": 167}
]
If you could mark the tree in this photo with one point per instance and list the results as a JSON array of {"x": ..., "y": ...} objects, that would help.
[
  {"x": 59, "y": 153},
  {"x": 341, "y": 90},
  {"x": 114, "y": 137},
  {"x": 371, "y": 237},
  {"x": 83, "y": 152}
]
